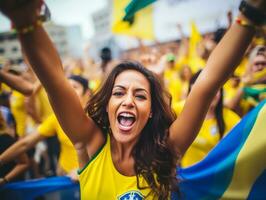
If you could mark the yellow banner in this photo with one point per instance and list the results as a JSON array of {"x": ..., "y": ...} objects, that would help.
[{"x": 142, "y": 26}]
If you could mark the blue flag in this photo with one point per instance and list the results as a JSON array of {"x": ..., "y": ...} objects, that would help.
[{"x": 234, "y": 169}]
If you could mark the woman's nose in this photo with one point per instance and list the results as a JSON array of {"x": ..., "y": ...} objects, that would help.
[{"x": 128, "y": 101}]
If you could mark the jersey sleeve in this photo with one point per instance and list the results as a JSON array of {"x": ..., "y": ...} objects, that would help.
[{"x": 48, "y": 127}]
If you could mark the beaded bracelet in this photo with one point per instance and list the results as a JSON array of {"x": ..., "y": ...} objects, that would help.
[
  {"x": 28, "y": 29},
  {"x": 245, "y": 23}
]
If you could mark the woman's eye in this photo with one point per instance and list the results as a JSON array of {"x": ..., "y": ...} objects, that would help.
[
  {"x": 141, "y": 97},
  {"x": 117, "y": 93}
]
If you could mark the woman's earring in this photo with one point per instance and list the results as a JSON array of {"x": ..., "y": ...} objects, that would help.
[{"x": 150, "y": 115}]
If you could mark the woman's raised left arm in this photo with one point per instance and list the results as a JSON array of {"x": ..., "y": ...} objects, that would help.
[{"x": 220, "y": 65}]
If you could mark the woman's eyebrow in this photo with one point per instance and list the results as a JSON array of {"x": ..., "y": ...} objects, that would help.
[
  {"x": 119, "y": 86},
  {"x": 141, "y": 90},
  {"x": 137, "y": 89}
]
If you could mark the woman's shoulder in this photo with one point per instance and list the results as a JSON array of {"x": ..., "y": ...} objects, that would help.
[{"x": 97, "y": 155}]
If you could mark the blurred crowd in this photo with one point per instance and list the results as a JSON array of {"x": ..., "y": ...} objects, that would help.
[{"x": 33, "y": 145}]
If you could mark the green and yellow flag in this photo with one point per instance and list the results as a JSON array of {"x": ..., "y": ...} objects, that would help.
[{"x": 133, "y": 18}]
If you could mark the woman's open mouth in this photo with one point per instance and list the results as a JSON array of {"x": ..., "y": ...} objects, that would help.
[{"x": 126, "y": 121}]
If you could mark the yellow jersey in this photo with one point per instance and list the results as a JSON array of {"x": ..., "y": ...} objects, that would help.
[
  {"x": 42, "y": 104},
  {"x": 99, "y": 179},
  {"x": 208, "y": 137},
  {"x": 18, "y": 108},
  {"x": 173, "y": 84},
  {"x": 68, "y": 159}
]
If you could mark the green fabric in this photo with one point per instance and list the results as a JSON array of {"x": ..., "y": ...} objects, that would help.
[
  {"x": 170, "y": 57},
  {"x": 133, "y": 7},
  {"x": 252, "y": 94},
  {"x": 249, "y": 91}
]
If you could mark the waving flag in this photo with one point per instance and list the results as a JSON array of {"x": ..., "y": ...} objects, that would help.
[
  {"x": 134, "y": 6},
  {"x": 234, "y": 169},
  {"x": 133, "y": 19},
  {"x": 195, "y": 39},
  {"x": 31, "y": 189}
]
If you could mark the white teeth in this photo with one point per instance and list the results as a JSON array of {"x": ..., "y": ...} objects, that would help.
[{"x": 126, "y": 114}]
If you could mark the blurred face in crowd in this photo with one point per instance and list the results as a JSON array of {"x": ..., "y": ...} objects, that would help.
[
  {"x": 79, "y": 89},
  {"x": 170, "y": 65},
  {"x": 259, "y": 63},
  {"x": 186, "y": 73},
  {"x": 148, "y": 59},
  {"x": 129, "y": 107}
]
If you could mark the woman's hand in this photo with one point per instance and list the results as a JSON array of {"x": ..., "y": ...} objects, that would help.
[
  {"x": 73, "y": 175},
  {"x": 21, "y": 12},
  {"x": 254, "y": 11},
  {"x": 259, "y": 4}
]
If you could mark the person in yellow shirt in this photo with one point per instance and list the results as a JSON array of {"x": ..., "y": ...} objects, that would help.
[
  {"x": 36, "y": 105},
  {"x": 18, "y": 109},
  {"x": 16, "y": 82},
  {"x": 130, "y": 108},
  {"x": 218, "y": 121},
  {"x": 185, "y": 76},
  {"x": 251, "y": 90},
  {"x": 11, "y": 81},
  {"x": 208, "y": 137},
  {"x": 68, "y": 162},
  {"x": 172, "y": 79}
]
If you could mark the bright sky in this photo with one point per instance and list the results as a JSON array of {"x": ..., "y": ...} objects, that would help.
[
  {"x": 69, "y": 12},
  {"x": 78, "y": 12}
]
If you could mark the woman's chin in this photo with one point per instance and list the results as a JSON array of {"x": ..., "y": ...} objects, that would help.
[{"x": 124, "y": 137}]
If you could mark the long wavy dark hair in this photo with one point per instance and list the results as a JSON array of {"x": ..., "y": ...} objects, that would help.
[
  {"x": 218, "y": 111},
  {"x": 154, "y": 160}
]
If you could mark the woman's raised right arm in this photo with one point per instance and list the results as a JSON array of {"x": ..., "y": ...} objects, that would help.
[{"x": 46, "y": 63}]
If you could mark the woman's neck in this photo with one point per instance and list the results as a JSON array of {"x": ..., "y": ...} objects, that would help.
[
  {"x": 122, "y": 156},
  {"x": 122, "y": 150}
]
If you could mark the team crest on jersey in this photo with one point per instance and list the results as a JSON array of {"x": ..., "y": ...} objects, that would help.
[{"x": 131, "y": 195}]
